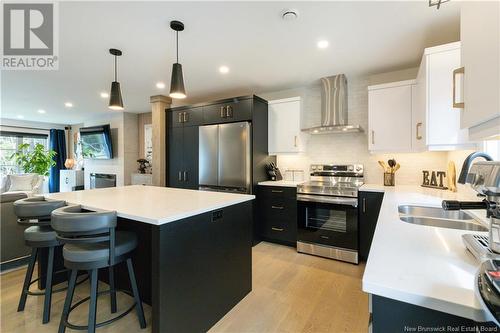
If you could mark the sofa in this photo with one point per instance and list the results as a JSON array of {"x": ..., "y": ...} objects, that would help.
[
  {"x": 29, "y": 183},
  {"x": 13, "y": 251}
]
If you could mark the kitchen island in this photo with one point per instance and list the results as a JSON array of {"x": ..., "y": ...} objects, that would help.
[
  {"x": 193, "y": 261},
  {"x": 420, "y": 276}
]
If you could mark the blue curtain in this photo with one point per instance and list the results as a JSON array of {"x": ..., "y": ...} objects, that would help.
[{"x": 58, "y": 144}]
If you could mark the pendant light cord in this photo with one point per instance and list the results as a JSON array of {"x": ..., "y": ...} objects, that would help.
[
  {"x": 177, "y": 44},
  {"x": 115, "y": 68}
]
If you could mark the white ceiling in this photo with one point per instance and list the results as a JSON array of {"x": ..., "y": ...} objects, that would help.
[{"x": 263, "y": 52}]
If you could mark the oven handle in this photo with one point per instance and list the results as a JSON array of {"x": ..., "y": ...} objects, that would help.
[{"x": 324, "y": 199}]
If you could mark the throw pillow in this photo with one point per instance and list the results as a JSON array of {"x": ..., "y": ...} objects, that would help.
[{"x": 21, "y": 183}]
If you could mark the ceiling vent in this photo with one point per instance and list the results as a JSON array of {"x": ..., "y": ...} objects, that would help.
[{"x": 290, "y": 14}]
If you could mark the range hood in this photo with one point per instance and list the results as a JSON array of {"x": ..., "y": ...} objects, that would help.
[{"x": 334, "y": 107}]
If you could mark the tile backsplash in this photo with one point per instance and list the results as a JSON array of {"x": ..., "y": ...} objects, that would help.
[{"x": 353, "y": 147}]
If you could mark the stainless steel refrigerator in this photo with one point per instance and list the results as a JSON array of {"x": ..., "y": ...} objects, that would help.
[{"x": 225, "y": 157}]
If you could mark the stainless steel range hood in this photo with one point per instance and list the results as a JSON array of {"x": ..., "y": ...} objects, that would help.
[{"x": 334, "y": 107}]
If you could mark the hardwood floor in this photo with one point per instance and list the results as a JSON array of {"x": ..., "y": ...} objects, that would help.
[{"x": 291, "y": 293}]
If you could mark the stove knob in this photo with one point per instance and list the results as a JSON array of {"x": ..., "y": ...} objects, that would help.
[
  {"x": 350, "y": 168},
  {"x": 358, "y": 168}
]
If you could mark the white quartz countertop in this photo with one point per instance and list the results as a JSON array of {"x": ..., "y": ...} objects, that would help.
[
  {"x": 284, "y": 183},
  {"x": 152, "y": 204},
  {"x": 422, "y": 265}
]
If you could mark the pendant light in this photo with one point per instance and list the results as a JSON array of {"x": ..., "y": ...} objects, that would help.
[
  {"x": 177, "y": 83},
  {"x": 115, "y": 96}
]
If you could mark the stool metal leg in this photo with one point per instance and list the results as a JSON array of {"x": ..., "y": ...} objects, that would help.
[
  {"x": 135, "y": 290},
  {"x": 27, "y": 279},
  {"x": 93, "y": 301},
  {"x": 112, "y": 293},
  {"x": 48, "y": 287},
  {"x": 69, "y": 299}
]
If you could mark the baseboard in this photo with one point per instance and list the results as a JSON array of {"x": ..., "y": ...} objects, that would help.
[{"x": 14, "y": 264}]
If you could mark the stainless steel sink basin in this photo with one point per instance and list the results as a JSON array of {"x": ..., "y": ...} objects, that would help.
[
  {"x": 443, "y": 223},
  {"x": 438, "y": 217},
  {"x": 434, "y": 212}
]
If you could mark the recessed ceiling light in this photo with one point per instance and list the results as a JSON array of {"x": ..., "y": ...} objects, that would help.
[
  {"x": 323, "y": 44},
  {"x": 68, "y": 104},
  {"x": 104, "y": 94},
  {"x": 20, "y": 117},
  {"x": 224, "y": 69},
  {"x": 160, "y": 85},
  {"x": 41, "y": 111}
]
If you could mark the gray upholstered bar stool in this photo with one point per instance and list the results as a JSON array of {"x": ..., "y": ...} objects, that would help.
[
  {"x": 91, "y": 243},
  {"x": 35, "y": 213}
]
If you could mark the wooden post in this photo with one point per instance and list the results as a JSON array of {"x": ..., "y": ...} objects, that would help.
[{"x": 158, "y": 105}]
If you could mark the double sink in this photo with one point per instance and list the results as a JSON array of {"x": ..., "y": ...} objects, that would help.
[{"x": 438, "y": 217}]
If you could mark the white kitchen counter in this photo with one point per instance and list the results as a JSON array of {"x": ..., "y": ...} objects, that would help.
[
  {"x": 152, "y": 204},
  {"x": 421, "y": 265},
  {"x": 284, "y": 183}
]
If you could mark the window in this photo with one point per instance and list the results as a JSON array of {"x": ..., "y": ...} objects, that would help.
[
  {"x": 492, "y": 148},
  {"x": 10, "y": 141}
]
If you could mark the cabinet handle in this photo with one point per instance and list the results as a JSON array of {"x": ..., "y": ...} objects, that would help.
[
  {"x": 419, "y": 137},
  {"x": 223, "y": 112},
  {"x": 457, "y": 71},
  {"x": 295, "y": 141},
  {"x": 373, "y": 137},
  {"x": 277, "y": 229},
  {"x": 179, "y": 117},
  {"x": 185, "y": 117},
  {"x": 364, "y": 205},
  {"x": 229, "y": 111},
  {"x": 180, "y": 176},
  {"x": 276, "y": 191},
  {"x": 277, "y": 207},
  {"x": 185, "y": 176},
  {"x": 324, "y": 237}
]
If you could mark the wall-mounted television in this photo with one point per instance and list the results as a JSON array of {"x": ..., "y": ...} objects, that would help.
[{"x": 96, "y": 142}]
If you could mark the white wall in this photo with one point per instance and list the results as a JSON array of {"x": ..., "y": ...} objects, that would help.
[
  {"x": 353, "y": 147},
  {"x": 125, "y": 151}
]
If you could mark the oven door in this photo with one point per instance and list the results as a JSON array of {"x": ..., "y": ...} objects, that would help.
[{"x": 331, "y": 221}]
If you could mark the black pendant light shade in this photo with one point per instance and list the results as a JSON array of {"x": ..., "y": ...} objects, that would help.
[
  {"x": 177, "y": 89},
  {"x": 177, "y": 83},
  {"x": 115, "y": 96}
]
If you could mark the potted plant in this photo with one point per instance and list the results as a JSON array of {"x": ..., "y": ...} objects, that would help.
[{"x": 39, "y": 160}]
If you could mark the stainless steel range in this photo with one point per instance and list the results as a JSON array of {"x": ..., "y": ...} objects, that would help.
[{"x": 328, "y": 213}]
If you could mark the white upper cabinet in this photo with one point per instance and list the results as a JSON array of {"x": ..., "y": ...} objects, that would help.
[
  {"x": 389, "y": 117},
  {"x": 284, "y": 127},
  {"x": 436, "y": 123},
  {"x": 480, "y": 35},
  {"x": 419, "y": 115}
]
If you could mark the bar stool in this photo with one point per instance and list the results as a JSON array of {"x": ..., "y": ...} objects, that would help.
[
  {"x": 35, "y": 213},
  {"x": 91, "y": 243}
]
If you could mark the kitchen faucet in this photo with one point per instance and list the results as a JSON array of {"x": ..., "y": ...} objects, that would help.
[{"x": 467, "y": 163}]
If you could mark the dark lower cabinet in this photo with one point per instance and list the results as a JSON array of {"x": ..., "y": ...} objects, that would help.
[
  {"x": 183, "y": 157},
  {"x": 277, "y": 214},
  {"x": 389, "y": 315},
  {"x": 368, "y": 210}
]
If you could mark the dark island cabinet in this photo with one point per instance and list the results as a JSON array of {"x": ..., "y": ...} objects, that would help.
[
  {"x": 183, "y": 157},
  {"x": 369, "y": 208},
  {"x": 233, "y": 111},
  {"x": 277, "y": 214}
]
